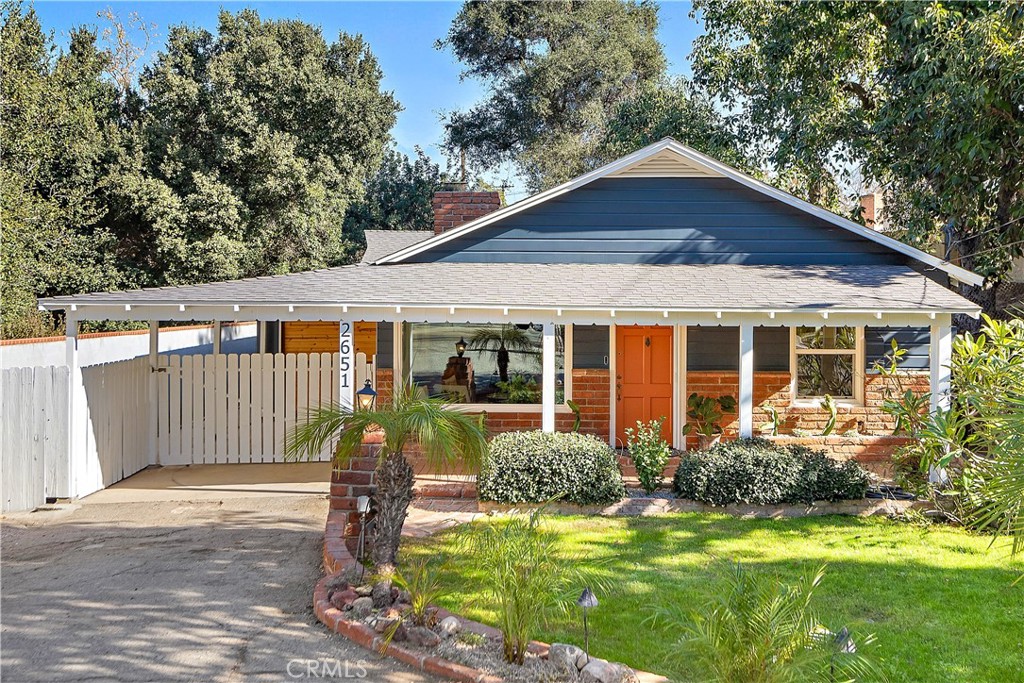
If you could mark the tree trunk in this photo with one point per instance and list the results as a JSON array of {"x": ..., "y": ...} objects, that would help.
[
  {"x": 394, "y": 493},
  {"x": 503, "y": 361}
]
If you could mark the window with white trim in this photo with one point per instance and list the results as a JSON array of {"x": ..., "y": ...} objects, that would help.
[
  {"x": 827, "y": 361},
  {"x": 483, "y": 364}
]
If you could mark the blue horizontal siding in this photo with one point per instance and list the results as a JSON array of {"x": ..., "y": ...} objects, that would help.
[
  {"x": 916, "y": 341},
  {"x": 664, "y": 221}
]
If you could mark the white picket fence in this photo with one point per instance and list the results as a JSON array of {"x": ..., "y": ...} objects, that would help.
[
  {"x": 239, "y": 408},
  {"x": 112, "y": 440}
]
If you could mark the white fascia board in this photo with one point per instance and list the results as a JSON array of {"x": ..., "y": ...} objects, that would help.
[
  {"x": 497, "y": 314},
  {"x": 954, "y": 271}
]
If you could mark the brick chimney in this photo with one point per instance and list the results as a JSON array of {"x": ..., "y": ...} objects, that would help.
[
  {"x": 871, "y": 207},
  {"x": 453, "y": 208}
]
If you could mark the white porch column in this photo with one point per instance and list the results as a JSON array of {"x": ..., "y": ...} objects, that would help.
[
  {"x": 76, "y": 446},
  {"x": 547, "y": 422},
  {"x": 346, "y": 366},
  {"x": 154, "y": 395},
  {"x": 218, "y": 336},
  {"x": 746, "y": 389},
  {"x": 940, "y": 357}
]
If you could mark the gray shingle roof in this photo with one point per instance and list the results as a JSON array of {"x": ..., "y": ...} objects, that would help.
[
  {"x": 622, "y": 286},
  {"x": 380, "y": 243}
]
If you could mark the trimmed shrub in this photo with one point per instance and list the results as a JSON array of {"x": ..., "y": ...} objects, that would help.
[
  {"x": 534, "y": 467},
  {"x": 758, "y": 472}
]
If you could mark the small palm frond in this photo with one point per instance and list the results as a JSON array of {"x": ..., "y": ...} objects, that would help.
[
  {"x": 445, "y": 435},
  {"x": 509, "y": 336}
]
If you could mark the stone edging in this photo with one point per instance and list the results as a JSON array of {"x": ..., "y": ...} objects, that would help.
[
  {"x": 338, "y": 558},
  {"x": 656, "y": 506}
]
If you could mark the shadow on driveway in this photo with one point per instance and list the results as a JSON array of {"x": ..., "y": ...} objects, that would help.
[{"x": 208, "y": 590}]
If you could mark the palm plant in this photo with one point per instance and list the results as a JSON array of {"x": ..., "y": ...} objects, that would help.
[
  {"x": 764, "y": 631},
  {"x": 444, "y": 436},
  {"x": 525, "y": 577},
  {"x": 503, "y": 340}
]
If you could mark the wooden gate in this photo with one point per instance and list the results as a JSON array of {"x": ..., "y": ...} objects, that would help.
[{"x": 239, "y": 408}]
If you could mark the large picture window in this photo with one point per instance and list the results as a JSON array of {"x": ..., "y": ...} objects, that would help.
[
  {"x": 826, "y": 361},
  {"x": 487, "y": 363}
]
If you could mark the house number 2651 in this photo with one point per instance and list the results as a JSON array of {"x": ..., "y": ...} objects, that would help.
[{"x": 345, "y": 348}]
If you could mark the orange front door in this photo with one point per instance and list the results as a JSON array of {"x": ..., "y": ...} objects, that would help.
[{"x": 643, "y": 378}]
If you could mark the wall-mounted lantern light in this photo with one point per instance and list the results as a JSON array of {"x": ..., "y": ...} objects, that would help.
[
  {"x": 366, "y": 396},
  {"x": 460, "y": 346}
]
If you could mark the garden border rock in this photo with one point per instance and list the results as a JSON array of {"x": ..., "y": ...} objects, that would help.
[
  {"x": 337, "y": 559},
  {"x": 638, "y": 507}
]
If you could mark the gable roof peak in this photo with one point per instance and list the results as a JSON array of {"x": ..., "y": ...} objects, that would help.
[{"x": 690, "y": 163}]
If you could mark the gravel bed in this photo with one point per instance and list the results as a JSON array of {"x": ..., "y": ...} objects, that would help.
[{"x": 488, "y": 657}]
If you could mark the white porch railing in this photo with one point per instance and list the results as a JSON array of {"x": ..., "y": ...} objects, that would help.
[{"x": 230, "y": 408}]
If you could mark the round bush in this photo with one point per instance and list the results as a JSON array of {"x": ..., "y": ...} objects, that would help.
[
  {"x": 759, "y": 472},
  {"x": 534, "y": 467}
]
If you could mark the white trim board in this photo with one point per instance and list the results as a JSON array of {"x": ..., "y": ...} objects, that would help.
[{"x": 692, "y": 163}]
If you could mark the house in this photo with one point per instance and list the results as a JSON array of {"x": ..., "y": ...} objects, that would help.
[{"x": 661, "y": 274}]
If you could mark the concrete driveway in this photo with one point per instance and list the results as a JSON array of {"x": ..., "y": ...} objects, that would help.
[{"x": 202, "y": 573}]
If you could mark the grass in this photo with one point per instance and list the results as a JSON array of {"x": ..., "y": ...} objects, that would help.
[{"x": 939, "y": 599}]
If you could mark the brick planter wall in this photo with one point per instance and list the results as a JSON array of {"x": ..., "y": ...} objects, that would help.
[
  {"x": 875, "y": 444},
  {"x": 356, "y": 479}
]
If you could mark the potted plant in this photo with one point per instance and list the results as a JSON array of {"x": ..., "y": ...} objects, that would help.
[{"x": 704, "y": 414}]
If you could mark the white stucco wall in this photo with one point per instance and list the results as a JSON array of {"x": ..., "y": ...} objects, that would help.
[{"x": 116, "y": 346}]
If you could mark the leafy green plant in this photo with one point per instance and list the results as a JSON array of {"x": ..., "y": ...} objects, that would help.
[
  {"x": 649, "y": 453},
  {"x": 762, "y": 630},
  {"x": 575, "y": 408},
  {"x": 705, "y": 414},
  {"x": 421, "y": 579},
  {"x": 520, "y": 389},
  {"x": 908, "y": 407},
  {"x": 979, "y": 440},
  {"x": 444, "y": 436},
  {"x": 525, "y": 578},
  {"x": 760, "y": 472},
  {"x": 534, "y": 467},
  {"x": 829, "y": 404},
  {"x": 774, "y": 422}
]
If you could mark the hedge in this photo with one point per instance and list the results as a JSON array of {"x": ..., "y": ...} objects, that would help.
[
  {"x": 759, "y": 472},
  {"x": 535, "y": 467}
]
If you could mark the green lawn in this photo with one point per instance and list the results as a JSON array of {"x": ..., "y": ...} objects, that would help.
[{"x": 938, "y": 599}]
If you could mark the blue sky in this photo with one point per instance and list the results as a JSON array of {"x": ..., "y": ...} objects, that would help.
[{"x": 401, "y": 35}]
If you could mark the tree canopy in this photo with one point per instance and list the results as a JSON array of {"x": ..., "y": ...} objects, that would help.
[
  {"x": 55, "y": 124},
  {"x": 925, "y": 98},
  {"x": 398, "y": 196},
  {"x": 238, "y": 153},
  {"x": 555, "y": 72}
]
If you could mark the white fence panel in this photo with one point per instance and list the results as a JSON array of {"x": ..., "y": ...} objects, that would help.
[
  {"x": 112, "y": 443},
  {"x": 230, "y": 408},
  {"x": 33, "y": 436},
  {"x": 116, "y": 438}
]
